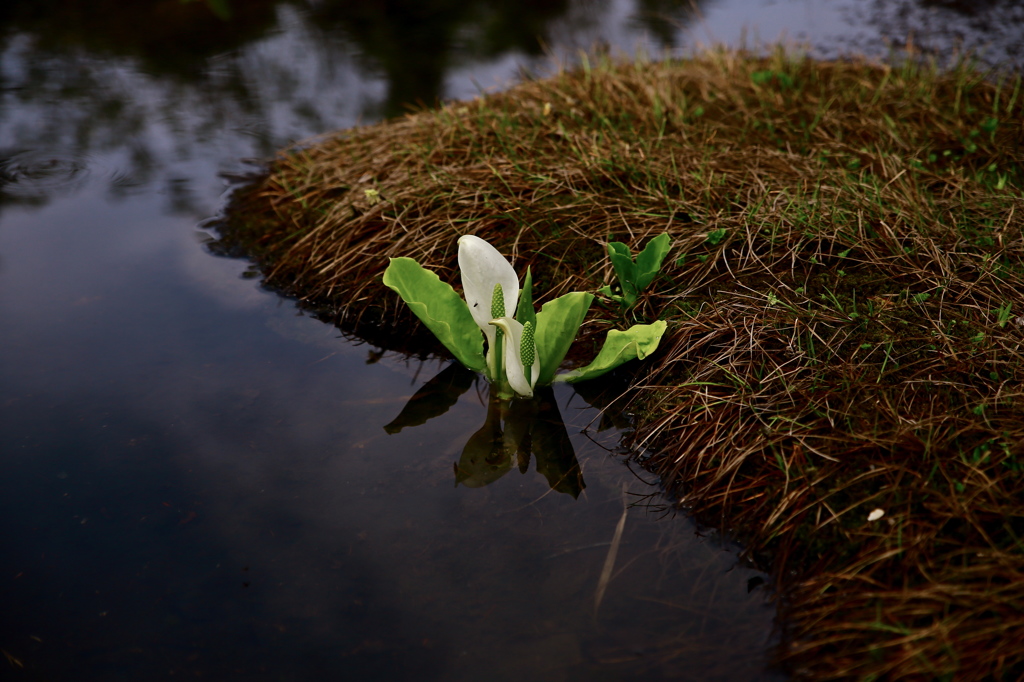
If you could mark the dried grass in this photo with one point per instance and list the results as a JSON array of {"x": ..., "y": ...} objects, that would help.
[{"x": 846, "y": 240}]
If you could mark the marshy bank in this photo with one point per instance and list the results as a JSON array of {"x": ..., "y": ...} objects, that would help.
[{"x": 840, "y": 385}]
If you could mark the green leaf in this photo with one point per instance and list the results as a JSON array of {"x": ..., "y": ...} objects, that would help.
[
  {"x": 635, "y": 276},
  {"x": 625, "y": 270},
  {"x": 636, "y": 343},
  {"x": 1003, "y": 314},
  {"x": 557, "y": 324},
  {"x": 606, "y": 290},
  {"x": 648, "y": 261},
  {"x": 716, "y": 236},
  {"x": 440, "y": 308}
]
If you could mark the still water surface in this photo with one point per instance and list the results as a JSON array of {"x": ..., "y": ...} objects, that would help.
[{"x": 196, "y": 479}]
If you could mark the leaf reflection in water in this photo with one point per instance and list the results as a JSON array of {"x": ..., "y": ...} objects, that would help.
[
  {"x": 434, "y": 398},
  {"x": 513, "y": 432}
]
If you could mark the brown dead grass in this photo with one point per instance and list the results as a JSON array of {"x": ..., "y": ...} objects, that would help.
[{"x": 846, "y": 240}]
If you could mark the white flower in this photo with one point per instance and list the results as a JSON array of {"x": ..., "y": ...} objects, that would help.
[
  {"x": 491, "y": 288},
  {"x": 522, "y": 364},
  {"x": 876, "y": 514}
]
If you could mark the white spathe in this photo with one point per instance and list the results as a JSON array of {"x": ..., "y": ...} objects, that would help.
[
  {"x": 482, "y": 267},
  {"x": 520, "y": 377}
]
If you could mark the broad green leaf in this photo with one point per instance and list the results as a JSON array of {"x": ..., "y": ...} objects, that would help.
[
  {"x": 636, "y": 343},
  {"x": 557, "y": 324},
  {"x": 648, "y": 261},
  {"x": 440, "y": 308}
]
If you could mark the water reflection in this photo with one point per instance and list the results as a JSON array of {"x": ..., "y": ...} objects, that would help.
[
  {"x": 152, "y": 88},
  {"x": 28, "y": 177},
  {"x": 171, "y": 39},
  {"x": 196, "y": 482},
  {"x": 991, "y": 30},
  {"x": 513, "y": 432},
  {"x": 160, "y": 84},
  {"x": 434, "y": 398},
  {"x": 414, "y": 44}
]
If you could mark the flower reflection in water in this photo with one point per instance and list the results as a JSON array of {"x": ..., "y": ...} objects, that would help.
[{"x": 512, "y": 433}]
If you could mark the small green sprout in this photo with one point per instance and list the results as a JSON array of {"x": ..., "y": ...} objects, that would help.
[
  {"x": 635, "y": 276},
  {"x": 769, "y": 77},
  {"x": 716, "y": 236},
  {"x": 1003, "y": 314}
]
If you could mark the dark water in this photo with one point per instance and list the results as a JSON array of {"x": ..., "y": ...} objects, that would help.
[
  {"x": 197, "y": 481},
  {"x": 195, "y": 478}
]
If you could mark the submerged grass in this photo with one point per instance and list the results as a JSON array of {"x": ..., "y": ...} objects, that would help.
[{"x": 844, "y": 297}]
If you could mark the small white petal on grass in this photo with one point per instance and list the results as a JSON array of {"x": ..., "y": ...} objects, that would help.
[{"x": 876, "y": 514}]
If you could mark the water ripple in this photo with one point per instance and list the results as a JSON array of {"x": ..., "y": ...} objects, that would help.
[{"x": 35, "y": 174}]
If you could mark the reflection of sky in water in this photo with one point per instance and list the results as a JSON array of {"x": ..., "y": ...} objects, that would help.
[{"x": 196, "y": 477}]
